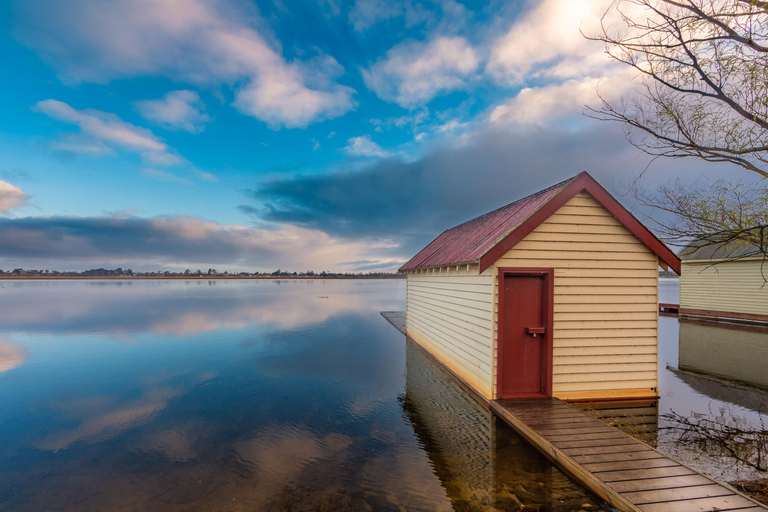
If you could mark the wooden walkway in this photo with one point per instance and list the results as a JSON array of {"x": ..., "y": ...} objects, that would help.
[
  {"x": 628, "y": 474},
  {"x": 396, "y": 318}
]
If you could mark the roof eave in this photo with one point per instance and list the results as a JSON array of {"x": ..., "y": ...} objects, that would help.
[{"x": 427, "y": 267}]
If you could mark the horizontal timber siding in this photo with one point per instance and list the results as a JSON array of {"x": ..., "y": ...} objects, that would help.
[
  {"x": 450, "y": 314},
  {"x": 605, "y": 304},
  {"x": 733, "y": 287}
]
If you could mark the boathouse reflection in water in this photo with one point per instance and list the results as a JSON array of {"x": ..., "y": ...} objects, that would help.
[
  {"x": 737, "y": 353},
  {"x": 725, "y": 435},
  {"x": 481, "y": 462}
]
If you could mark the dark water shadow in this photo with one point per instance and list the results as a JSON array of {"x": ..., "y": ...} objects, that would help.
[{"x": 480, "y": 461}]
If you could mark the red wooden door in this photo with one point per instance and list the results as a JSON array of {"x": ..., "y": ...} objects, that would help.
[{"x": 525, "y": 340}]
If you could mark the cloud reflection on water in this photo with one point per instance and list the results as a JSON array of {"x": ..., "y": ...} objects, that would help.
[
  {"x": 175, "y": 308},
  {"x": 11, "y": 356},
  {"x": 101, "y": 425}
]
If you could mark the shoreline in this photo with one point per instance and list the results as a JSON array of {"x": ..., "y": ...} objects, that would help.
[{"x": 197, "y": 278}]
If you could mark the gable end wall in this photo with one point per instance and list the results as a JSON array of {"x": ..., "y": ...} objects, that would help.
[{"x": 605, "y": 304}]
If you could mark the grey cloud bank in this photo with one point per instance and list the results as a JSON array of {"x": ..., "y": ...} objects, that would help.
[
  {"x": 175, "y": 243},
  {"x": 413, "y": 202},
  {"x": 110, "y": 238}
]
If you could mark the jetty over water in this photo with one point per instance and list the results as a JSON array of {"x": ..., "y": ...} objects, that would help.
[{"x": 626, "y": 473}]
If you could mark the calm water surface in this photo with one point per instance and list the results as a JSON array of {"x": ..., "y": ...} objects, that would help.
[
  {"x": 243, "y": 395},
  {"x": 714, "y": 380}
]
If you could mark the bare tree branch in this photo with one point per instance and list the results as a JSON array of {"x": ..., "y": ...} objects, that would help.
[
  {"x": 703, "y": 66},
  {"x": 725, "y": 221}
]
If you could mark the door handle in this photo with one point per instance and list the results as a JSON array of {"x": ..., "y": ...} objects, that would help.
[{"x": 535, "y": 331}]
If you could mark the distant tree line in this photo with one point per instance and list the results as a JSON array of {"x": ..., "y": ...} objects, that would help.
[{"x": 211, "y": 272}]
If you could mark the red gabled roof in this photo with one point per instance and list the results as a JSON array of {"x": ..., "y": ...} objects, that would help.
[{"x": 485, "y": 239}]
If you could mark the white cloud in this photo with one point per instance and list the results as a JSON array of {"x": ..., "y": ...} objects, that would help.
[
  {"x": 315, "y": 145},
  {"x": 110, "y": 129},
  {"x": 81, "y": 144},
  {"x": 331, "y": 7},
  {"x": 11, "y": 197},
  {"x": 546, "y": 42},
  {"x": 546, "y": 46},
  {"x": 413, "y": 73},
  {"x": 163, "y": 176},
  {"x": 280, "y": 98},
  {"x": 412, "y": 121},
  {"x": 177, "y": 110},
  {"x": 452, "y": 126},
  {"x": 366, "y": 13},
  {"x": 540, "y": 104},
  {"x": 364, "y": 146},
  {"x": 202, "y": 175},
  {"x": 206, "y": 42}
]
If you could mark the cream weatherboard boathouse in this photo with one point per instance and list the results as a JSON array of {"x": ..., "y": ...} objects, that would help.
[
  {"x": 555, "y": 295},
  {"x": 724, "y": 278}
]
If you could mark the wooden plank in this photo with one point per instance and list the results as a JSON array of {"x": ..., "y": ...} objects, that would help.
[
  {"x": 618, "y": 457},
  {"x": 571, "y": 412},
  {"x": 604, "y": 350},
  {"x": 534, "y": 414},
  {"x": 562, "y": 424},
  {"x": 584, "y": 437},
  {"x": 551, "y": 412},
  {"x": 588, "y": 443},
  {"x": 563, "y": 416},
  {"x": 733, "y": 502},
  {"x": 634, "y": 474},
  {"x": 601, "y": 467},
  {"x": 606, "y": 376},
  {"x": 523, "y": 404},
  {"x": 592, "y": 361},
  {"x": 612, "y": 405},
  {"x": 669, "y": 482},
  {"x": 627, "y": 411},
  {"x": 711, "y": 490},
  {"x": 527, "y": 410},
  {"x": 618, "y": 448},
  {"x": 575, "y": 429},
  {"x": 554, "y": 413},
  {"x": 545, "y": 422}
]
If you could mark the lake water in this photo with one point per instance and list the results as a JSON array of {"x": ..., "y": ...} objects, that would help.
[
  {"x": 243, "y": 395},
  {"x": 714, "y": 379}
]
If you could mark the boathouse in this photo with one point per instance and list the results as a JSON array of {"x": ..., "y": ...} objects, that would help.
[
  {"x": 724, "y": 278},
  {"x": 555, "y": 294}
]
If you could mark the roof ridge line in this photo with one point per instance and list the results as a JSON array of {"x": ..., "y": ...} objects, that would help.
[{"x": 529, "y": 196}]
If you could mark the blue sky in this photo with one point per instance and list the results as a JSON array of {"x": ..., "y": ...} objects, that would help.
[{"x": 322, "y": 134}]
